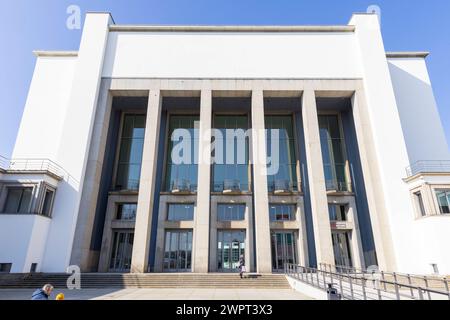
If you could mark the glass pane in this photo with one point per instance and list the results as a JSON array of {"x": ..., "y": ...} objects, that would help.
[
  {"x": 47, "y": 203},
  {"x": 180, "y": 212},
  {"x": 25, "y": 201},
  {"x": 13, "y": 200},
  {"x": 127, "y": 211}
]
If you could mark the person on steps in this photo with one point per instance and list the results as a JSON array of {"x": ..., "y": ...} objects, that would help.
[{"x": 241, "y": 266}]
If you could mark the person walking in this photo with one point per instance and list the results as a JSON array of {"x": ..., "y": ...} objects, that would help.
[
  {"x": 42, "y": 294},
  {"x": 241, "y": 266}
]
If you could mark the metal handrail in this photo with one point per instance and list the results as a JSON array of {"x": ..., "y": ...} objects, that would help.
[
  {"x": 428, "y": 166},
  {"x": 356, "y": 283},
  {"x": 18, "y": 164},
  {"x": 396, "y": 275}
]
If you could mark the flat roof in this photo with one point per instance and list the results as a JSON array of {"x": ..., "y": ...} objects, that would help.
[
  {"x": 408, "y": 54},
  {"x": 200, "y": 28},
  {"x": 49, "y": 53}
]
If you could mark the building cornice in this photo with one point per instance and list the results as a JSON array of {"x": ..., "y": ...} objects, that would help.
[
  {"x": 408, "y": 54},
  {"x": 44, "y": 53},
  {"x": 167, "y": 28}
]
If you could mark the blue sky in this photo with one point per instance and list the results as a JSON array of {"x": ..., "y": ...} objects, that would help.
[{"x": 407, "y": 25}]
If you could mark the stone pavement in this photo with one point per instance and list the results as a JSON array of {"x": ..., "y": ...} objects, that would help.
[{"x": 162, "y": 294}]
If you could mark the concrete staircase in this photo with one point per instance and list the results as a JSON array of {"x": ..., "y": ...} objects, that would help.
[{"x": 148, "y": 280}]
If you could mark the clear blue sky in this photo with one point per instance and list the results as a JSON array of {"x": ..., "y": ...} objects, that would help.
[{"x": 30, "y": 24}]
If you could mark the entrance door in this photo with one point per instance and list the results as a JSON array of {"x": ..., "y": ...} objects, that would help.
[
  {"x": 178, "y": 251},
  {"x": 121, "y": 251},
  {"x": 341, "y": 248},
  {"x": 230, "y": 246},
  {"x": 283, "y": 250}
]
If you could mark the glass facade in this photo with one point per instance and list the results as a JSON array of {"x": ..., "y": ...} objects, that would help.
[
  {"x": 286, "y": 177},
  {"x": 130, "y": 152},
  {"x": 18, "y": 200},
  {"x": 230, "y": 246},
  {"x": 121, "y": 251},
  {"x": 283, "y": 249},
  {"x": 234, "y": 173},
  {"x": 178, "y": 251},
  {"x": 341, "y": 248},
  {"x": 443, "y": 198},
  {"x": 230, "y": 212},
  {"x": 334, "y": 160},
  {"x": 126, "y": 211},
  {"x": 181, "y": 173},
  {"x": 282, "y": 212},
  {"x": 180, "y": 212}
]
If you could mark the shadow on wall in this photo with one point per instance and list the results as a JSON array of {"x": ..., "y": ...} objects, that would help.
[{"x": 421, "y": 125}]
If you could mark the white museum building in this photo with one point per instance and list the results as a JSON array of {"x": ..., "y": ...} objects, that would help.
[{"x": 363, "y": 166}]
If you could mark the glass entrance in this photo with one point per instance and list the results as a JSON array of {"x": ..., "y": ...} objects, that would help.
[
  {"x": 230, "y": 246},
  {"x": 283, "y": 250},
  {"x": 178, "y": 251},
  {"x": 341, "y": 248},
  {"x": 121, "y": 251}
]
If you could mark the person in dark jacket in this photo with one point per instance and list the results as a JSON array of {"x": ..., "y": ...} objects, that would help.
[
  {"x": 42, "y": 294},
  {"x": 241, "y": 265}
]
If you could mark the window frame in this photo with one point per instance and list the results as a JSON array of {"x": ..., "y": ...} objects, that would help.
[
  {"x": 192, "y": 204},
  {"x": 348, "y": 179},
  {"x": 119, "y": 205},
  {"x": 293, "y": 215},
  {"x": 118, "y": 145},
  {"x": 297, "y": 181},
  {"x": 43, "y": 191},
  {"x": 446, "y": 191},
  {"x": 8, "y": 187},
  {"x": 165, "y": 179},
  {"x": 244, "y": 205}
]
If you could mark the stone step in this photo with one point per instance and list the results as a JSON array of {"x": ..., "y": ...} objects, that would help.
[{"x": 160, "y": 280}]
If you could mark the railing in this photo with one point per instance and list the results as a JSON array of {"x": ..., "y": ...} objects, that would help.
[
  {"x": 31, "y": 165},
  {"x": 180, "y": 185},
  {"x": 356, "y": 284},
  {"x": 281, "y": 186},
  {"x": 339, "y": 186},
  {"x": 428, "y": 166}
]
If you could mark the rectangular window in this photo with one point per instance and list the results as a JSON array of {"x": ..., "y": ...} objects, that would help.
[
  {"x": 337, "y": 212},
  {"x": 181, "y": 174},
  {"x": 180, "y": 212},
  {"x": 285, "y": 177},
  {"x": 18, "y": 200},
  {"x": 443, "y": 198},
  {"x": 5, "y": 267},
  {"x": 130, "y": 152},
  {"x": 334, "y": 159},
  {"x": 48, "y": 202},
  {"x": 126, "y": 211},
  {"x": 230, "y": 170},
  {"x": 419, "y": 203},
  {"x": 282, "y": 212},
  {"x": 230, "y": 212}
]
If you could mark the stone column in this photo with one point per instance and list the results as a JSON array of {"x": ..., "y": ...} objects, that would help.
[
  {"x": 375, "y": 198},
  {"x": 260, "y": 190},
  {"x": 201, "y": 230},
  {"x": 317, "y": 188},
  {"x": 141, "y": 244}
]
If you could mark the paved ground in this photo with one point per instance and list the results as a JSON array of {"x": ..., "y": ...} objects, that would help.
[{"x": 163, "y": 294}]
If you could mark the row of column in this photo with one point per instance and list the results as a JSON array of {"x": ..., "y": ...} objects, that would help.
[{"x": 146, "y": 198}]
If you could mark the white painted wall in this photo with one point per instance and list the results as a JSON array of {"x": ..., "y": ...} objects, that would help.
[
  {"x": 422, "y": 128},
  {"x": 43, "y": 117},
  {"x": 231, "y": 55},
  {"x": 23, "y": 239}
]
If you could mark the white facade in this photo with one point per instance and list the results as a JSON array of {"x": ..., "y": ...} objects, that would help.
[{"x": 59, "y": 122}]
